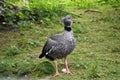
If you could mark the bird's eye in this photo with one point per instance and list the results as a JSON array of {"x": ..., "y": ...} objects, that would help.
[{"x": 69, "y": 18}]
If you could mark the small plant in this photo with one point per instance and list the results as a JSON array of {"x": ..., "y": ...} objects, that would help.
[
  {"x": 45, "y": 67},
  {"x": 85, "y": 4},
  {"x": 6, "y": 68},
  {"x": 108, "y": 19},
  {"x": 113, "y": 3},
  {"x": 79, "y": 28},
  {"x": 25, "y": 25},
  {"x": 13, "y": 50},
  {"x": 27, "y": 44},
  {"x": 11, "y": 14},
  {"x": 94, "y": 72},
  {"x": 115, "y": 49},
  {"x": 84, "y": 65},
  {"x": 25, "y": 67}
]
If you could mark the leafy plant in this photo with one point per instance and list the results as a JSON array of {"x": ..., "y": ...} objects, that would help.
[
  {"x": 94, "y": 72},
  {"x": 11, "y": 14},
  {"x": 24, "y": 25},
  {"x": 25, "y": 67},
  {"x": 6, "y": 68},
  {"x": 85, "y": 4},
  {"x": 45, "y": 67},
  {"x": 13, "y": 50},
  {"x": 79, "y": 28},
  {"x": 113, "y": 3},
  {"x": 25, "y": 43},
  {"x": 115, "y": 49}
]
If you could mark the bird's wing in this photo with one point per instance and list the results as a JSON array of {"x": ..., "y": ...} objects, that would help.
[
  {"x": 52, "y": 41},
  {"x": 54, "y": 48},
  {"x": 58, "y": 37},
  {"x": 58, "y": 50},
  {"x": 48, "y": 45}
]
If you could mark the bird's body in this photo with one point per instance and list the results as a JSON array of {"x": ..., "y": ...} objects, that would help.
[{"x": 60, "y": 45}]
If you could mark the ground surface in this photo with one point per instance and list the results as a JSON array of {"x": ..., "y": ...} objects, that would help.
[{"x": 96, "y": 56}]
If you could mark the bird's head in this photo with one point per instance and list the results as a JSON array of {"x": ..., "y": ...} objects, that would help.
[{"x": 67, "y": 20}]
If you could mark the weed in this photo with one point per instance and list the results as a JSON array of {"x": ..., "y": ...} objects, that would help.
[
  {"x": 94, "y": 72},
  {"x": 13, "y": 50},
  {"x": 24, "y": 25},
  {"x": 6, "y": 68},
  {"x": 79, "y": 28},
  {"x": 86, "y": 4},
  {"x": 45, "y": 67},
  {"x": 11, "y": 14},
  {"x": 28, "y": 44},
  {"x": 115, "y": 49},
  {"x": 84, "y": 65},
  {"x": 25, "y": 68}
]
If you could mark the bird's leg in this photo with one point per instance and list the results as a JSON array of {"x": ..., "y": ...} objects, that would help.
[
  {"x": 56, "y": 69},
  {"x": 66, "y": 65}
]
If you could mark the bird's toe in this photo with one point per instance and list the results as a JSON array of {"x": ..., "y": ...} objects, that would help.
[
  {"x": 56, "y": 74},
  {"x": 69, "y": 73}
]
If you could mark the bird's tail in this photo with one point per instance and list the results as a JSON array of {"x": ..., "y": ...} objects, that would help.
[{"x": 41, "y": 55}]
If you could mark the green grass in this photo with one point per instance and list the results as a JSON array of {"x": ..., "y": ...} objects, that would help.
[{"x": 96, "y": 56}]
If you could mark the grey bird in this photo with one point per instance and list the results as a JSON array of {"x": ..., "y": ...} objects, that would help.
[{"x": 60, "y": 45}]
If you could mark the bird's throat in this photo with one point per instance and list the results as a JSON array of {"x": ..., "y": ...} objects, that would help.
[{"x": 67, "y": 28}]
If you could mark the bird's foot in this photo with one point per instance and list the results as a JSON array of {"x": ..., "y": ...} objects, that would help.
[
  {"x": 68, "y": 72},
  {"x": 56, "y": 74}
]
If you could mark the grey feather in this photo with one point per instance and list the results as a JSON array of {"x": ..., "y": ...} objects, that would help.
[{"x": 59, "y": 45}]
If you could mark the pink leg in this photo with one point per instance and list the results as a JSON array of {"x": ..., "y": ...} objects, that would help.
[
  {"x": 66, "y": 65},
  {"x": 56, "y": 69}
]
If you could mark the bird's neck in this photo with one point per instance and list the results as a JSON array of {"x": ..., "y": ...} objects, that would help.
[
  {"x": 68, "y": 33},
  {"x": 68, "y": 28}
]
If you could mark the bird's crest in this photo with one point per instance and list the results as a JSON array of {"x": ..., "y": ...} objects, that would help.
[{"x": 66, "y": 17}]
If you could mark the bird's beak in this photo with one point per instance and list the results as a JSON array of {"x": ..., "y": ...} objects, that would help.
[{"x": 71, "y": 20}]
